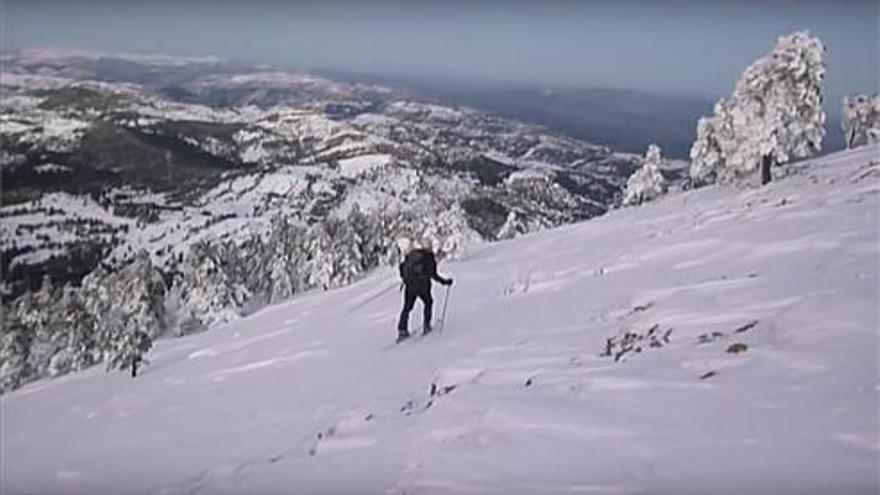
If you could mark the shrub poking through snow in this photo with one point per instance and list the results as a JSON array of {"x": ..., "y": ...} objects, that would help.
[
  {"x": 634, "y": 343},
  {"x": 736, "y": 348}
]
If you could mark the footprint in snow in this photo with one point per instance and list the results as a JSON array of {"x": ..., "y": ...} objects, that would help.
[
  {"x": 345, "y": 434},
  {"x": 443, "y": 383}
]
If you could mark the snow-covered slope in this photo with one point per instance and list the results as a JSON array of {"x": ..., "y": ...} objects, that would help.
[{"x": 760, "y": 375}]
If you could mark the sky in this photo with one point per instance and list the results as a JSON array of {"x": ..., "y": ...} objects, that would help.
[{"x": 690, "y": 47}]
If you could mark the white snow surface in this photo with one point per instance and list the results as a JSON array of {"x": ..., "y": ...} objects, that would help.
[{"x": 304, "y": 396}]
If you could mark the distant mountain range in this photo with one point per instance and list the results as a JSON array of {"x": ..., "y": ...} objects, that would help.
[{"x": 623, "y": 119}]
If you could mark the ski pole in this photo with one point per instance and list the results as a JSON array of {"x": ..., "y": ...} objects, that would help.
[
  {"x": 372, "y": 298},
  {"x": 445, "y": 304}
]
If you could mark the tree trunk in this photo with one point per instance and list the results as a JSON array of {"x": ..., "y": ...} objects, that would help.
[
  {"x": 850, "y": 137},
  {"x": 766, "y": 165}
]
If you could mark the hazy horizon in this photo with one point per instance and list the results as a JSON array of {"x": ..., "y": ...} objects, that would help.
[{"x": 678, "y": 47}]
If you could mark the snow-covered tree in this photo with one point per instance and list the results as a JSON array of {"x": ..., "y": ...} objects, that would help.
[
  {"x": 33, "y": 314},
  {"x": 539, "y": 189},
  {"x": 374, "y": 234},
  {"x": 860, "y": 119},
  {"x": 127, "y": 307},
  {"x": 15, "y": 345},
  {"x": 334, "y": 254},
  {"x": 715, "y": 139},
  {"x": 348, "y": 263},
  {"x": 647, "y": 182},
  {"x": 446, "y": 232},
  {"x": 774, "y": 114},
  {"x": 512, "y": 227},
  {"x": 282, "y": 255},
  {"x": 112, "y": 317},
  {"x": 128, "y": 348},
  {"x": 207, "y": 289},
  {"x": 77, "y": 346},
  {"x": 318, "y": 263},
  {"x": 136, "y": 318}
]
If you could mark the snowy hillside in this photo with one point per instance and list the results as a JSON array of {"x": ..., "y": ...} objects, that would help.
[{"x": 716, "y": 341}]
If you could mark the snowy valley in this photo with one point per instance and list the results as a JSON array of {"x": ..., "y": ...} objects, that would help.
[
  {"x": 717, "y": 340},
  {"x": 105, "y": 155},
  {"x": 184, "y": 192}
]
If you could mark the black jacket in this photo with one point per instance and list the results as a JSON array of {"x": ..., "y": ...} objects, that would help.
[{"x": 430, "y": 264}]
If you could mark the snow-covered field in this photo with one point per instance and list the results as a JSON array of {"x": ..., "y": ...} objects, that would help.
[{"x": 304, "y": 397}]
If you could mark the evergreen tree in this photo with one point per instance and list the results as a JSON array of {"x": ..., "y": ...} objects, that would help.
[
  {"x": 373, "y": 237},
  {"x": 512, "y": 227},
  {"x": 125, "y": 313},
  {"x": 208, "y": 291},
  {"x": 282, "y": 256},
  {"x": 15, "y": 345},
  {"x": 76, "y": 346},
  {"x": 707, "y": 155},
  {"x": 32, "y": 312},
  {"x": 647, "y": 182},
  {"x": 860, "y": 119},
  {"x": 136, "y": 317},
  {"x": 347, "y": 262},
  {"x": 318, "y": 265},
  {"x": 774, "y": 113}
]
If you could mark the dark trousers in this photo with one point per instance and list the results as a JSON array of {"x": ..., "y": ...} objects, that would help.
[{"x": 413, "y": 291}]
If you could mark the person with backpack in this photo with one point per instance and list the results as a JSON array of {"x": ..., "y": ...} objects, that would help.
[{"x": 417, "y": 270}]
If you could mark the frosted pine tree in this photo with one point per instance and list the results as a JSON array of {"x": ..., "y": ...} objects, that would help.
[
  {"x": 33, "y": 314},
  {"x": 76, "y": 346},
  {"x": 374, "y": 236},
  {"x": 512, "y": 227},
  {"x": 318, "y": 266},
  {"x": 235, "y": 254},
  {"x": 15, "y": 345},
  {"x": 332, "y": 252},
  {"x": 535, "y": 189},
  {"x": 282, "y": 254},
  {"x": 647, "y": 182},
  {"x": 280, "y": 267},
  {"x": 112, "y": 317},
  {"x": 451, "y": 232},
  {"x": 100, "y": 300},
  {"x": 860, "y": 119},
  {"x": 136, "y": 317},
  {"x": 129, "y": 348},
  {"x": 446, "y": 233},
  {"x": 773, "y": 115},
  {"x": 347, "y": 256},
  {"x": 707, "y": 154},
  {"x": 207, "y": 290}
]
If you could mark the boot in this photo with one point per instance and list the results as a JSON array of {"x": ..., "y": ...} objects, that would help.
[{"x": 402, "y": 335}]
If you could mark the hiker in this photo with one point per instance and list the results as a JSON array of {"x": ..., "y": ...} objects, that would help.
[{"x": 417, "y": 270}]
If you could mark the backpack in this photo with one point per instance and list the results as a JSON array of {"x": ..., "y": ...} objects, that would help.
[{"x": 416, "y": 266}]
